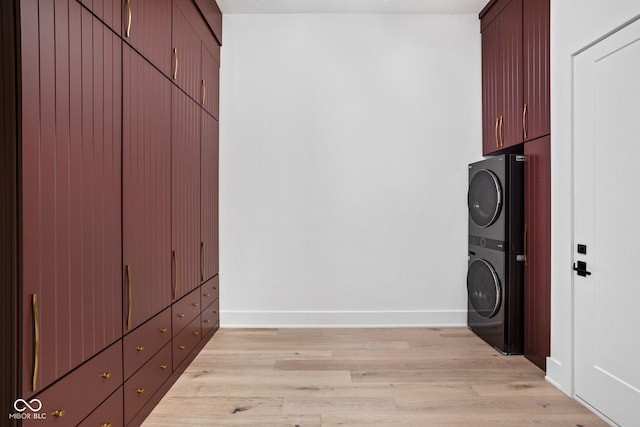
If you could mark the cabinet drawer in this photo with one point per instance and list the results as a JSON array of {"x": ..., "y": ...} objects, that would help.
[
  {"x": 72, "y": 398},
  {"x": 145, "y": 341},
  {"x": 143, "y": 384},
  {"x": 108, "y": 414},
  {"x": 210, "y": 317},
  {"x": 209, "y": 291},
  {"x": 186, "y": 341},
  {"x": 185, "y": 310}
]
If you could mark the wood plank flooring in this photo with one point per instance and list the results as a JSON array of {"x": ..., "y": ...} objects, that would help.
[{"x": 362, "y": 377}]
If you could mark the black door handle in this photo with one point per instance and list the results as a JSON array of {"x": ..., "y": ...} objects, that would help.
[{"x": 581, "y": 269}]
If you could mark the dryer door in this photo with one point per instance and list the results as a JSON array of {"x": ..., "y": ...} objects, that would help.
[
  {"x": 483, "y": 288},
  {"x": 485, "y": 198}
]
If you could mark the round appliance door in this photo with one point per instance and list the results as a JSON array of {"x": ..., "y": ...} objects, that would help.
[
  {"x": 485, "y": 198},
  {"x": 483, "y": 288}
]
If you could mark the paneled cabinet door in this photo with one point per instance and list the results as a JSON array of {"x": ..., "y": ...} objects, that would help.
[
  {"x": 209, "y": 197},
  {"x": 502, "y": 79},
  {"x": 185, "y": 194},
  {"x": 146, "y": 190},
  {"x": 186, "y": 51},
  {"x": 146, "y": 26},
  {"x": 71, "y": 226},
  {"x": 210, "y": 99},
  {"x": 537, "y": 268},
  {"x": 536, "y": 47}
]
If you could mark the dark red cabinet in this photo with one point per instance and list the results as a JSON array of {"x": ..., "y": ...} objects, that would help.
[
  {"x": 185, "y": 194},
  {"x": 186, "y": 49},
  {"x": 536, "y": 49},
  {"x": 109, "y": 12},
  {"x": 211, "y": 78},
  {"x": 146, "y": 26},
  {"x": 71, "y": 130},
  {"x": 146, "y": 237},
  {"x": 537, "y": 268},
  {"x": 502, "y": 76},
  {"x": 209, "y": 197}
]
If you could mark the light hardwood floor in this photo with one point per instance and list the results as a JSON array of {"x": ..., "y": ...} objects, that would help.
[{"x": 366, "y": 377}]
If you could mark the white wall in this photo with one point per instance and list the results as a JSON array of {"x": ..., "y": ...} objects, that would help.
[
  {"x": 574, "y": 26},
  {"x": 344, "y": 145}
]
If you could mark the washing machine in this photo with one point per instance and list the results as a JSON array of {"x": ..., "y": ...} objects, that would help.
[{"x": 495, "y": 270}]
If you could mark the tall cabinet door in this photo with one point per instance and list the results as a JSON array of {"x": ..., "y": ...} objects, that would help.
[
  {"x": 146, "y": 190},
  {"x": 185, "y": 193},
  {"x": 536, "y": 47},
  {"x": 209, "y": 197},
  {"x": 491, "y": 87},
  {"x": 186, "y": 48},
  {"x": 71, "y": 168},
  {"x": 537, "y": 268},
  {"x": 210, "y": 99},
  {"x": 146, "y": 27}
]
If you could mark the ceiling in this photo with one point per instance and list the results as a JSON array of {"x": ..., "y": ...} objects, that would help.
[{"x": 437, "y": 7}]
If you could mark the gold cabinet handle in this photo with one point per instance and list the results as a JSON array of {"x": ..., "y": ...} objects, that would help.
[
  {"x": 36, "y": 341},
  {"x": 202, "y": 243},
  {"x": 206, "y": 295},
  {"x": 215, "y": 288},
  {"x": 181, "y": 347},
  {"x": 129, "y": 293},
  {"x": 195, "y": 304},
  {"x": 106, "y": 375},
  {"x": 59, "y": 413},
  {"x": 175, "y": 274},
  {"x": 524, "y": 121},
  {"x": 127, "y": 32},
  {"x": 162, "y": 330},
  {"x": 163, "y": 366},
  {"x": 215, "y": 311},
  {"x": 526, "y": 263},
  {"x": 139, "y": 348},
  {"x": 206, "y": 320},
  {"x": 497, "y": 127},
  {"x": 501, "y": 131},
  {"x": 181, "y": 315},
  {"x": 204, "y": 91},
  {"x": 139, "y": 390},
  {"x": 106, "y": 425},
  {"x": 196, "y": 333},
  {"x": 175, "y": 67}
]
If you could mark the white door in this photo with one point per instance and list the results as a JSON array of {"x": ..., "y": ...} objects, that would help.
[{"x": 607, "y": 221}]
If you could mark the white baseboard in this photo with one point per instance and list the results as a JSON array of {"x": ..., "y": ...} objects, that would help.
[
  {"x": 554, "y": 375},
  {"x": 342, "y": 319}
]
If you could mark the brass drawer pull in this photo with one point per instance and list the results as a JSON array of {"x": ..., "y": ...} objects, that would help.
[
  {"x": 181, "y": 315},
  {"x": 139, "y": 348},
  {"x": 106, "y": 425},
  {"x": 181, "y": 347},
  {"x": 206, "y": 295},
  {"x": 196, "y": 333},
  {"x": 195, "y": 304},
  {"x": 139, "y": 390},
  {"x": 163, "y": 330},
  {"x": 106, "y": 375},
  {"x": 163, "y": 366},
  {"x": 59, "y": 413},
  {"x": 206, "y": 320}
]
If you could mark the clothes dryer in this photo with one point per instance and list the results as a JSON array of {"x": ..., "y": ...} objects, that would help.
[{"x": 495, "y": 270}]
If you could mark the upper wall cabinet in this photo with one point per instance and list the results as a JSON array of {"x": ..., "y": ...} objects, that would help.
[
  {"x": 210, "y": 78},
  {"x": 146, "y": 27},
  {"x": 536, "y": 29},
  {"x": 186, "y": 51},
  {"x": 515, "y": 72}
]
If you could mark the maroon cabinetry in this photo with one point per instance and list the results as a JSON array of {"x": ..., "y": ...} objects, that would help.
[
  {"x": 537, "y": 217},
  {"x": 515, "y": 92},
  {"x": 98, "y": 139},
  {"x": 146, "y": 206},
  {"x": 71, "y": 227}
]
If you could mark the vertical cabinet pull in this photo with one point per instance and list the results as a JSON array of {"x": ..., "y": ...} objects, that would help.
[
  {"x": 36, "y": 341},
  {"x": 524, "y": 121},
  {"x": 174, "y": 261},
  {"x": 497, "y": 128},
  {"x": 202, "y": 256},
  {"x": 204, "y": 91},
  {"x": 129, "y": 293},
  {"x": 175, "y": 64},
  {"x": 501, "y": 133},
  {"x": 127, "y": 32},
  {"x": 526, "y": 263}
]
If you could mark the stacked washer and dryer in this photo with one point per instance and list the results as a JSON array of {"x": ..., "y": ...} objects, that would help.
[{"x": 495, "y": 270}]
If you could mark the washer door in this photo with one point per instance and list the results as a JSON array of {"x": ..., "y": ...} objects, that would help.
[
  {"x": 485, "y": 198},
  {"x": 483, "y": 288}
]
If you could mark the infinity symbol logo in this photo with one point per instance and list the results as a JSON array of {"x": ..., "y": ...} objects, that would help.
[{"x": 21, "y": 405}]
